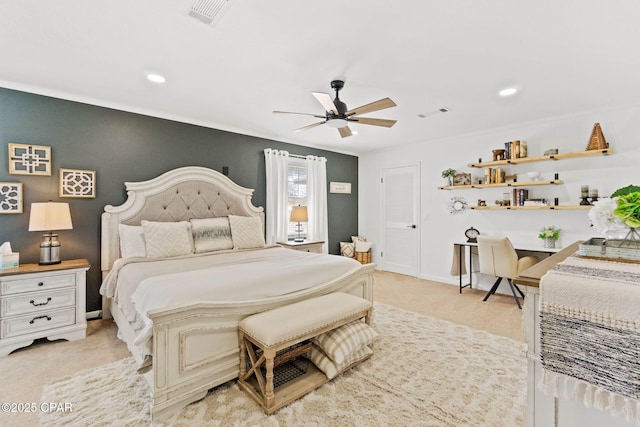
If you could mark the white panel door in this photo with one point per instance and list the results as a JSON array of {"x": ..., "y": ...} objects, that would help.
[{"x": 400, "y": 250}]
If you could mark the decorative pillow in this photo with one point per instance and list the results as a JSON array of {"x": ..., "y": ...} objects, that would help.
[
  {"x": 341, "y": 342},
  {"x": 331, "y": 369},
  {"x": 246, "y": 232},
  {"x": 211, "y": 234},
  {"x": 355, "y": 239},
  {"x": 346, "y": 249},
  {"x": 362, "y": 246},
  {"x": 167, "y": 239},
  {"x": 132, "y": 241}
]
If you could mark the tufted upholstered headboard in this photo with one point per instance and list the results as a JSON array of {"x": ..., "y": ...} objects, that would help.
[{"x": 177, "y": 195}]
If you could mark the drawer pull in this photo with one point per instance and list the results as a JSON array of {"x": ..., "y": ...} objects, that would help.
[
  {"x": 39, "y": 317},
  {"x": 40, "y": 303},
  {"x": 40, "y": 283}
]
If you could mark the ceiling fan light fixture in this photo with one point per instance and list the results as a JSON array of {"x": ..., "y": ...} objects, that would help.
[{"x": 337, "y": 123}]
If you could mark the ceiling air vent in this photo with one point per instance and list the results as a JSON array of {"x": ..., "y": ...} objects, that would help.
[
  {"x": 433, "y": 113},
  {"x": 208, "y": 10}
]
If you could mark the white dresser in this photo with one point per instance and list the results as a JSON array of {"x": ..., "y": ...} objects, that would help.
[{"x": 38, "y": 301}]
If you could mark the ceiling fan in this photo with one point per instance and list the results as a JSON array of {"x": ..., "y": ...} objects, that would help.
[{"x": 338, "y": 116}]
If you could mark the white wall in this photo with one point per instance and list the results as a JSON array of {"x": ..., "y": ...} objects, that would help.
[{"x": 439, "y": 229}]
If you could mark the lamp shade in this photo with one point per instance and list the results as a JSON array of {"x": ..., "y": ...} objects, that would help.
[
  {"x": 299, "y": 214},
  {"x": 49, "y": 216}
]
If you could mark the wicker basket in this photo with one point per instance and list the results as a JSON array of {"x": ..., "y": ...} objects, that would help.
[
  {"x": 614, "y": 250},
  {"x": 363, "y": 257}
]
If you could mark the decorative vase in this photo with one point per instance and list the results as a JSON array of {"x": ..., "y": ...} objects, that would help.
[
  {"x": 618, "y": 234},
  {"x": 549, "y": 243}
]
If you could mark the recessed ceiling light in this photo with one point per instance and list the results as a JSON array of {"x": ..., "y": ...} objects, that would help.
[
  {"x": 508, "y": 91},
  {"x": 156, "y": 78},
  {"x": 354, "y": 132}
]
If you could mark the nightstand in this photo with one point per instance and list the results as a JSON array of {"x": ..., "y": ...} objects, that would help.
[
  {"x": 38, "y": 301},
  {"x": 305, "y": 246}
]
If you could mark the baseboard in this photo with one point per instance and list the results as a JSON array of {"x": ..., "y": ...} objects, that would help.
[{"x": 96, "y": 314}]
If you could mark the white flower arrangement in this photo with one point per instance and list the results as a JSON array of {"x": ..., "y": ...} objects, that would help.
[{"x": 602, "y": 217}]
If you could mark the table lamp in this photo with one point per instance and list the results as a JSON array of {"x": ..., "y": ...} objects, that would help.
[
  {"x": 299, "y": 214},
  {"x": 50, "y": 216}
]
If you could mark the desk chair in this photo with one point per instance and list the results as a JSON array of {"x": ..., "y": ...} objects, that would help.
[{"x": 498, "y": 258}]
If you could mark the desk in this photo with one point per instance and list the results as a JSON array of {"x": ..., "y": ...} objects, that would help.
[{"x": 461, "y": 245}]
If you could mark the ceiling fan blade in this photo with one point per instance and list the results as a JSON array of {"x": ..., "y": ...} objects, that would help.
[
  {"x": 376, "y": 122},
  {"x": 380, "y": 104},
  {"x": 345, "y": 131},
  {"x": 325, "y": 100},
  {"x": 302, "y": 114},
  {"x": 309, "y": 126}
]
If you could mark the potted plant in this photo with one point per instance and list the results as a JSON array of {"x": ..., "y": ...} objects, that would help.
[
  {"x": 448, "y": 175},
  {"x": 618, "y": 217},
  {"x": 549, "y": 235}
]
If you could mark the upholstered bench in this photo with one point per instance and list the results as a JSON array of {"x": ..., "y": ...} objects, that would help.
[{"x": 271, "y": 337}]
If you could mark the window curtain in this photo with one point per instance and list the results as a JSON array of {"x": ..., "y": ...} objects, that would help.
[
  {"x": 276, "y": 163},
  {"x": 317, "y": 227}
]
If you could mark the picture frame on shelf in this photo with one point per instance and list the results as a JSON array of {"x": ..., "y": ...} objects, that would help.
[
  {"x": 77, "y": 183},
  {"x": 11, "y": 200},
  {"x": 462, "y": 179},
  {"x": 28, "y": 159}
]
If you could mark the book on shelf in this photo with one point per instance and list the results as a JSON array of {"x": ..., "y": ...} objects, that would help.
[
  {"x": 536, "y": 202},
  {"x": 494, "y": 175},
  {"x": 515, "y": 149},
  {"x": 520, "y": 195}
]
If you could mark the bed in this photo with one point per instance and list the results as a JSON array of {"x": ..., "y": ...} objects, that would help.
[{"x": 189, "y": 346}]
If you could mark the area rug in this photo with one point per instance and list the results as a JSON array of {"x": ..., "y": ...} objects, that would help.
[{"x": 424, "y": 372}]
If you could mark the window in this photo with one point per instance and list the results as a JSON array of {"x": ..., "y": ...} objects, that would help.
[{"x": 297, "y": 186}]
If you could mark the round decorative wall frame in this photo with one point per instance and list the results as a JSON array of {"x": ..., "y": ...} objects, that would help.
[{"x": 457, "y": 205}]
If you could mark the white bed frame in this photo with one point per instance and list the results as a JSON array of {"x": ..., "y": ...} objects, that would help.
[{"x": 196, "y": 348}]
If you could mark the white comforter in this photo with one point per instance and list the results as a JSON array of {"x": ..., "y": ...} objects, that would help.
[{"x": 142, "y": 285}]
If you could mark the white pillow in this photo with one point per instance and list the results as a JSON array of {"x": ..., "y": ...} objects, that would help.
[
  {"x": 246, "y": 232},
  {"x": 167, "y": 239},
  {"x": 363, "y": 246},
  {"x": 132, "y": 241},
  {"x": 340, "y": 343},
  {"x": 211, "y": 234}
]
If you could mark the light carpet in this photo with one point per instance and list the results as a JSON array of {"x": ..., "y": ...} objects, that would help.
[{"x": 424, "y": 372}]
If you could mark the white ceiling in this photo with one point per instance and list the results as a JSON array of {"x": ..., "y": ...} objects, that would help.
[{"x": 567, "y": 56}]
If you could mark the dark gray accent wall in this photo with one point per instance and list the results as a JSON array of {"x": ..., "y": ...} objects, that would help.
[{"x": 122, "y": 146}]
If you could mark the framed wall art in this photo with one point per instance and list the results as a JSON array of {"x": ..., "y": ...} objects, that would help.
[
  {"x": 10, "y": 197},
  {"x": 462, "y": 179},
  {"x": 26, "y": 159},
  {"x": 77, "y": 183}
]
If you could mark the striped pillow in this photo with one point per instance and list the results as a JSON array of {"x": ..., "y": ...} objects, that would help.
[
  {"x": 341, "y": 342},
  {"x": 211, "y": 234},
  {"x": 329, "y": 367}
]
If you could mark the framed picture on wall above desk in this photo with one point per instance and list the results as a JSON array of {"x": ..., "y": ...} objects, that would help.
[{"x": 459, "y": 262}]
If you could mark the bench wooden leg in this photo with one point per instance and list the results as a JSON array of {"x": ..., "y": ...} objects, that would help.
[
  {"x": 243, "y": 356},
  {"x": 269, "y": 396}
]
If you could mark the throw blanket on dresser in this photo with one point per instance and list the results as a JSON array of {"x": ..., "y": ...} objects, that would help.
[{"x": 590, "y": 334}]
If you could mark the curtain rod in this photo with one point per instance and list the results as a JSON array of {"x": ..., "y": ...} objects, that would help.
[{"x": 297, "y": 156}]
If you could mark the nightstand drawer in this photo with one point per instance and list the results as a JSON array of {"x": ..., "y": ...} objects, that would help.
[
  {"x": 37, "y": 283},
  {"x": 37, "y": 322},
  {"x": 37, "y": 301}
]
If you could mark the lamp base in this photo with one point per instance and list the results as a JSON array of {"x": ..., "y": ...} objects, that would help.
[
  {"x": 298, "y": 240},
  {"x": 49, "y": 250}
]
